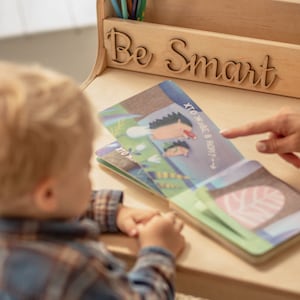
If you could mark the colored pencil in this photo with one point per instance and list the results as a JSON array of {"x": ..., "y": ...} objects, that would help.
[
  {"x": 129, "y": 7},
  {"x": 141, "y": 10},
  {"x": 124, "y": 9},
  {"x": 116, "y": 8},
  {"x": 134, "y": 9}
]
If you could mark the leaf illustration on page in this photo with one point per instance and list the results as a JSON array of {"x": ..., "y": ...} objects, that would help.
[
  {"x": 154, "y": 159},
  {"x": 253, "y": 206}
]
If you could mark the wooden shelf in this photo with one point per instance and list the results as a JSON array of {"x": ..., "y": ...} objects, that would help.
[{"x": 249, "y": 45}]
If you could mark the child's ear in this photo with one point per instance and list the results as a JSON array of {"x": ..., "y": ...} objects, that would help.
[{"x": 45, "y": 197}]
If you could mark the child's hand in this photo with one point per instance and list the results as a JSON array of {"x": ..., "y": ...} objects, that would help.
[
  {"x": 128, "y": 218},
  {"x": 162, "y": 231}
]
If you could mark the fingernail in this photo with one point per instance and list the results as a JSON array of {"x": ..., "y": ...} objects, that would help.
[
  {"x": 261, "y": 147},
  {"x": 223, "y": 131},
  {"x": 133, "y": 232}
]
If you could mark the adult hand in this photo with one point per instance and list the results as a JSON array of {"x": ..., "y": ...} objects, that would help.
[{"x": 284, "y": 134}]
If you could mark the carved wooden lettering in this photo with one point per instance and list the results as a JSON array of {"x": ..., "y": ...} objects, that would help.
[
  {"x": 213, "y": 69},
  {"x": 121, "y": 49},
  {"x": 199, "y": 66}
]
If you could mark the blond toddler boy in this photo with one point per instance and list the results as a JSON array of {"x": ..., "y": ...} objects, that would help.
[{"x": 50, "y": 220}]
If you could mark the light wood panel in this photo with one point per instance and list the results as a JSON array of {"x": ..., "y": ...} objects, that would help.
[{"x": 252, "y": 45}]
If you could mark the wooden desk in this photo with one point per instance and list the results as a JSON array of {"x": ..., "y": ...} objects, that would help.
[{"x": 205, "y": 268}]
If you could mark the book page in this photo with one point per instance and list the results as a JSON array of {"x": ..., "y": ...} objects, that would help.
[
  {"x": 181, "y": 152},
  {"x": 172, "y": 139},
  {"x": 119, "y": 160}
]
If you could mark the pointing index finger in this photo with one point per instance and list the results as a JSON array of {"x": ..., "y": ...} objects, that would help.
[{"x": 258, "y": 127}]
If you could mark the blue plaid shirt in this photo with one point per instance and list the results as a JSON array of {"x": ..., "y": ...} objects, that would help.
[{"x": 57, "y": 260}]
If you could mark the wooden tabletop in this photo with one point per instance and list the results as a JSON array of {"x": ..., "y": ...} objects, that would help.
[{"x": 205, "y": 268}]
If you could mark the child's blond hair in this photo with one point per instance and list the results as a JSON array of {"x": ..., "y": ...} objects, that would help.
[{"x": 43, "y": 116}]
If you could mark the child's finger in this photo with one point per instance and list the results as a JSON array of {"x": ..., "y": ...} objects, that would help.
[
  {"x": 144, "y": 218},
  {"x": 178, "y": 225},
  {"x": 171, "y": 215},
  {"x": 129, "y": 227}
]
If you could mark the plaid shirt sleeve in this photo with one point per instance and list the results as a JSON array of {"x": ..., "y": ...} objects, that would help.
[
  {"x": 151, "y": 278},
  {"x": 80, "y": 270},
  {"x": 103, "y": 209},
  {"x": 153, "y": 274}
]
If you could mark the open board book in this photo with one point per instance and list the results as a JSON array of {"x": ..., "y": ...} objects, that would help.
[{"x": 168, "y": 145}]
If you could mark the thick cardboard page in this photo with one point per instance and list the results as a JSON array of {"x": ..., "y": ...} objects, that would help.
[{"x": 115, "y": 158}]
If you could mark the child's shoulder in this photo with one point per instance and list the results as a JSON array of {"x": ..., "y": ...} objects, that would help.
[{"x": 39, "y": 266}]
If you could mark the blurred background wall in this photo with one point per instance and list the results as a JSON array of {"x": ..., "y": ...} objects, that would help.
[{"x": 59, "y": 34}]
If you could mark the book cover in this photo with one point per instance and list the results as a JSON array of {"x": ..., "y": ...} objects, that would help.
[{"x": 180, "y": 151}]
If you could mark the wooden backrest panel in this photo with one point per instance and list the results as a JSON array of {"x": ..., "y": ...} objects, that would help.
[{"x": 263, "y": 19}]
